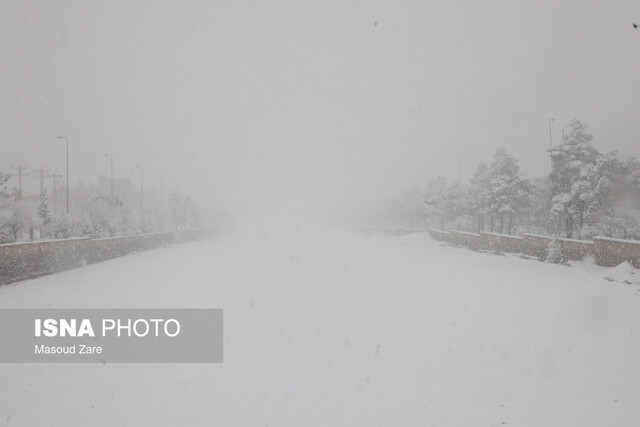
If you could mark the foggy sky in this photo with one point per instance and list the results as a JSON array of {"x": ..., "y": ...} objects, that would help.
[{"x": 273, "y": 106}]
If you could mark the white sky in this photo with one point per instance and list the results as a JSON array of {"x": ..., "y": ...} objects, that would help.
[{"x": 289, "y": 104}]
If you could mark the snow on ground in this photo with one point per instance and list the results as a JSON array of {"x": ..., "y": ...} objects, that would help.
[
  {"x": 624, "y": 273},
  {"x": 337, "y": 328}
]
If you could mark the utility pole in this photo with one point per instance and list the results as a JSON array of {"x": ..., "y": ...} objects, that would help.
[
  {"x": 66, "y": 138},
  {"x": 45, "y": 174},
  {"x": 20, "y": 168},
  {"x": 550, "y": 135}
]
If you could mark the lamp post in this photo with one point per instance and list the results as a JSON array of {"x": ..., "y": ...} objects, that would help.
[
  {"x": 21, "y": 172},
  {"x": 111, "y": 157},
  {"x": 141, "y": 198},
  {"x": 550, "y": 135},
  {"x": 66, "y": 138}
]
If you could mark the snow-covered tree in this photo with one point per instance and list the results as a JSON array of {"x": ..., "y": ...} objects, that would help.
[
  {"x": 6, "y": 230},
  {"x": 6, "y": 234},
  {"x": 555, "y": 253},
  {"x": 538, "y": 217},
  {"x": 615, "y": 207},
  {"x": 444, "y": 202},
  {"x": 509, "y": 191},
  {"x": 574, "y": 176},
  {"x": 43, "y": 208},
  {"x": 4, "y": 177},
  {"x": 62, "y": 227},
  {"x": 22, "y": 219},
  {"x": 498, "y": 191},
  {"x": 409, "y": 209},
  {"x": 104, "y": 217},
  {"x": 478, "y": 195}
]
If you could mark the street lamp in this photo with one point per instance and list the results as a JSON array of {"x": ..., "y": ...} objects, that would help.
[
  {"x": 460, "y": 165},
  {"x": 111, "y": 157},
  {"x": 66, "y": 138},
  {"x": 141, "y": 198},
  {"x": 550, "y": 137}
]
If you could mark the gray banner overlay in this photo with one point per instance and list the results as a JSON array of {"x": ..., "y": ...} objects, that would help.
[{"x": 111, "y": 335}]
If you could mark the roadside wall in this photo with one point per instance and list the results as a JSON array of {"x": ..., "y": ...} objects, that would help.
[
  {"x": 611, "y": 252},
  {"x": 606, "y": 251},
  {"x": 20, "y": 261}
]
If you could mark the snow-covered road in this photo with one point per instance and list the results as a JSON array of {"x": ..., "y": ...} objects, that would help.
[{"x": 335, "y": 328}]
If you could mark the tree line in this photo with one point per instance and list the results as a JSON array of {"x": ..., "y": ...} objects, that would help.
[
  {"x": 95, "y": 212},
  {"x": 587, "y": 193}
]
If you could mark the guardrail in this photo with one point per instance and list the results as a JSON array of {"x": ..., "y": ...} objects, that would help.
[{"x": 21, "y": 261}]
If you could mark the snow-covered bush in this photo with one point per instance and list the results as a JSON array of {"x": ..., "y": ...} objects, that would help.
[
  {"x": 62, "y": 227},
  {"x": 6, "y": 235},
  {"x": 555, "y": 253}
]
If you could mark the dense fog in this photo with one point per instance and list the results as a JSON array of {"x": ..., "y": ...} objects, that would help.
[
  {"x": 288, "y": 112},
  {"x": 360, "y": 212}
]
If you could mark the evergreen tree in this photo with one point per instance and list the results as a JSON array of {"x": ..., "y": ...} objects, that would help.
[
  {"x": 573, "y": 176},
  {"x": 499, "y": 191},
  {"x": 105, "y": 216},
  {"x": 615, "y": 204},
  {"x": 509, "y": 191},
  {"x": 554, "y": 252},
  {"x": 444, "y": 202},
  {"x": 62, "y": 227},
  {"x": 478, "y": 195},
  {"x": 539, "y": 217},
  {"x": 3, "y": 185},
  {"x": 43, "y": 208}
]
